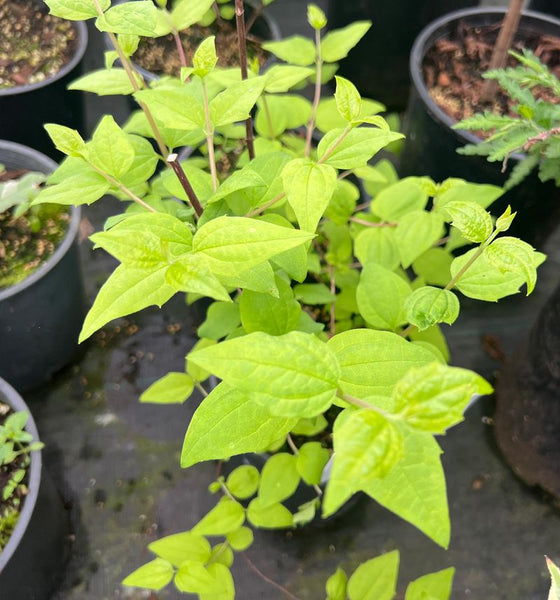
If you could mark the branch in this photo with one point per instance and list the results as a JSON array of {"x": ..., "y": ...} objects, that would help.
[{"x": 173, "y": 162}]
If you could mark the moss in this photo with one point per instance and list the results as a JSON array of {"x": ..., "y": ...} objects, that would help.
[{"x": 8, "y": 522}]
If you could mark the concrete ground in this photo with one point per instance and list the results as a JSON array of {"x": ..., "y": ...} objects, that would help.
[{"x": 117, "y": 462}]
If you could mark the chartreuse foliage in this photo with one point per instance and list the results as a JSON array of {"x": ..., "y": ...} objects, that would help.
[
  {"x": 326, "y": 311},
  {"x": 531, "y": 128}
]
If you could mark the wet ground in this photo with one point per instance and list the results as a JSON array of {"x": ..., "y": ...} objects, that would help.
[{"x": 116, "y": 461}]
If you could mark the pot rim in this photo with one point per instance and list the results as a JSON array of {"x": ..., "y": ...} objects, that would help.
[
  {"x": 81, "y": 28},
  {"x": 150, "y": 76},
  {"x": 17, "y": 403},
  {"x": 432, "y": 32},
  {"x": 47, "y": 165}
]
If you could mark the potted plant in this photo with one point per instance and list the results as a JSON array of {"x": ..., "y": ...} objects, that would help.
[
  {"x": 432, "y": 140},
  {"x": 33, "y": 522},
  {"x": 35, "y": 342},
  {"x": 391, "y": 37},
  {"x": 43, "y": 54},
  {"x": 526, "y": 409},
  {"x": 325, "y": 312}
]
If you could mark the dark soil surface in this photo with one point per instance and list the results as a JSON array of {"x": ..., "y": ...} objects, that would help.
[
  {"x": 453, "y": 68},
  {"x": 160, "y": 56},
  {"x": 10, "y": 507},
  {"x": 30, "y": 240},
  {"x": 33, "y": 44}
]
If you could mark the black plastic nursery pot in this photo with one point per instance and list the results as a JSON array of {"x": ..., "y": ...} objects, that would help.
[
  {"x": 550, "y": 7},
  {"x": 41, "y": 316},
  {"x": 25, "y": 109},
  {"x": 527, "y": 418},
  {"x": 431, "y": 144},
  {"x": 264, "y": 28},
  {"x": 32, "y": 560},
  {"x": 378, "y": 65}
]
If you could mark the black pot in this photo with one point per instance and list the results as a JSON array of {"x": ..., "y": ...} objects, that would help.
[
  {"x": 431, "y": 144},
  {"x": 378, "y": 65},
  {"x": 26, "y": 108},
  {"x": 32, "y": 561},
  {"x": 41, "y": 317},
  {"x": 550, "y": 7},
  {"x": 264, "y": 28},
  {"x": 527, "y": 419}
]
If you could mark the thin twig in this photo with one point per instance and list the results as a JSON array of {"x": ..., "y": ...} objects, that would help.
[
  {"x": 267, "y": 579},
  {"x": 317, "y": 96},
  {"x": 242, "y": 44},
  {"x": 370, "y": 223},
  {"x": 173, "y": 162}
]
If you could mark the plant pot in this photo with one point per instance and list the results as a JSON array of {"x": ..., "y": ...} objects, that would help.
[
  {"x": 40, "y": 317},
  {"x": 32, "y": 560},
  {"x": 264, "y": 28},
  {"x": 550, "y": 7},
  {"x": 26, "y": 108},
  {"x": 527, "y": 419},
  {"x": 378, "y": 65},
  {"x": 431, "y": 144}
]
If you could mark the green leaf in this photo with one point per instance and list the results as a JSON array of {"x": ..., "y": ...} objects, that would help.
[
  {"x": 225, "y": 517},
  {"x": 76, "y": 10},
  {"x": 67, "y": 140},
  {"x": 205, "y": 59},
  {"x": 84, "y": 188},
  {"x": 279, "y": 479},
  {"x": 293, "y": 375},
  {"x": 296, "y": 50},
  {"x": 314, "y": 293},
  {"x": 222, "y": 318},
  {"x": 474, "y": 223},
  {"x": 428, "y": 306},
  {"x": 110, "y": 149},
  {"x": 192, "y": 273},
  {"x": 554, "y": 593},
  {"x": 154, "y": 575},
  {"x": 483, "y": 280},
  {"x": 235, "y": 103},
  {"x": 173, "y": 388},
  {"x": 241, "y": 539},
  {"x": 146, "y": 240},
  {"x": 434, "y": 397},
  {"x": 104, "y": 82},
  {"x": 338, "y": 42},
  {"x": 434, "y": 266},
  {"x": 281, "y": 112},
  {"x": 126, "y": 291},
  {"x": 414, "y": 489},
  {"x": 356, "y": 148},
  {"x": 328, "y": 117},
  {"x": 263, "y": 312},
  {"x": 416, "y": 232},
  {"x": 194, "y": 578},
  {"x": 372, "y": 362},
  {"x": 244, "y": 240},
  {"x": 348, "y": 99},
  {"x": 316, "y": 17},
  {"x": 186, "y": 12},
  {"x": 395, "y": 201},
  {"x": 381, "y": 297},
  {"x": 174, "y": 107},
  {"x": 311, "y": 461},
  {"x": 504, "y": 221},
  {"x": 179, "y": 547},
  {"x": 511, "y": 255},
  {"x": 243, "y": 481},
  {"x": 310, "y": 427},
  {"x": 463, "y": 191},
  {"x": 226, "y": 586},
  {"x": 378, "y": 245},
  {"x": 336, "y": 585},
  {"x": 132, "y": 19},
  {"x": 274, "y": 516},
  {"x": 309, "y": 187},
  {"x": 281, "y": 78},
  {"x": 434, "y": 586},
  {"x": 227, "y": 423},
  {"x": 375, "y": 579},
  {"x": 366, "y": 447}
]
